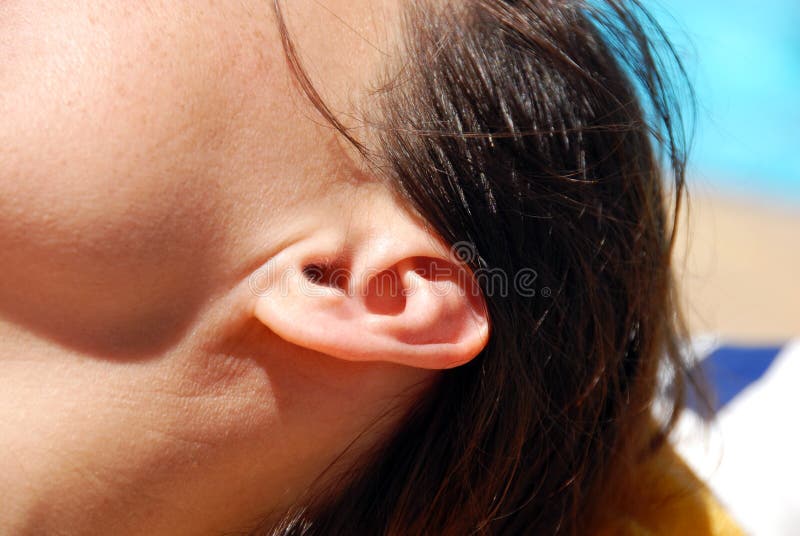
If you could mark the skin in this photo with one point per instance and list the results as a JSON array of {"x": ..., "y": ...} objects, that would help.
[{"x": 153, "y": 157}]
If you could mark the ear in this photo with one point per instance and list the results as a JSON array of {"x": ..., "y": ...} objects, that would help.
[{"x": 388, "y": 293}]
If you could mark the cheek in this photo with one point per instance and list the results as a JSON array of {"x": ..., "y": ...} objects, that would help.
[{"x": 107, "y": 145}]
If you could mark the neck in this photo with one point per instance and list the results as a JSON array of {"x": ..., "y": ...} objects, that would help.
[{"x": 199, "y": 440}]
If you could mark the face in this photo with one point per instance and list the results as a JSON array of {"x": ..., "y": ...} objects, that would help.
[{"x": 153, "y": 155}]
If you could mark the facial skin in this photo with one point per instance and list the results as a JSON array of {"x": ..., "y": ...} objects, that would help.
[{"x": 154, "y": 156}]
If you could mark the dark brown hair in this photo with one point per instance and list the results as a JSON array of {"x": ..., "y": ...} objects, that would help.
[{"x": 540, "y": 132}]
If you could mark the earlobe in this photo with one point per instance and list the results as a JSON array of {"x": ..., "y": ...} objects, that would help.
[{"x": 397, "y": 299}]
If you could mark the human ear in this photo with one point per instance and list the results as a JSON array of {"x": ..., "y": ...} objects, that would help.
[{"x": 367, "y": 292}]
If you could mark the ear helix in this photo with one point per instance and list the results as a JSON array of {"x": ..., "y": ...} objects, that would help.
[{"x": 401, "y": 302}]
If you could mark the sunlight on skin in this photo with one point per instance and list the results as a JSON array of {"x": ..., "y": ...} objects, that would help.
[{"x": 152, "y": 157}]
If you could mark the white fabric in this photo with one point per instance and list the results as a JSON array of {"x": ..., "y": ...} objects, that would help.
[{"x": 750, "y": 454}]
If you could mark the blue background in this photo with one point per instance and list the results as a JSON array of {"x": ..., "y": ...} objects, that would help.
[{"x": 744, "y": 60}]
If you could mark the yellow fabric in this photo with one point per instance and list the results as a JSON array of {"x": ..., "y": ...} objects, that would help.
[{"x": 662, "y": 496}]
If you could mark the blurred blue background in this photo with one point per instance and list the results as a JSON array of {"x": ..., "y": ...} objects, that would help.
[{"x": 744, "y": 59}]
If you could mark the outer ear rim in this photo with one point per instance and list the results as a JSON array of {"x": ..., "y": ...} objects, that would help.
[{"x": 309, "y": 321}]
